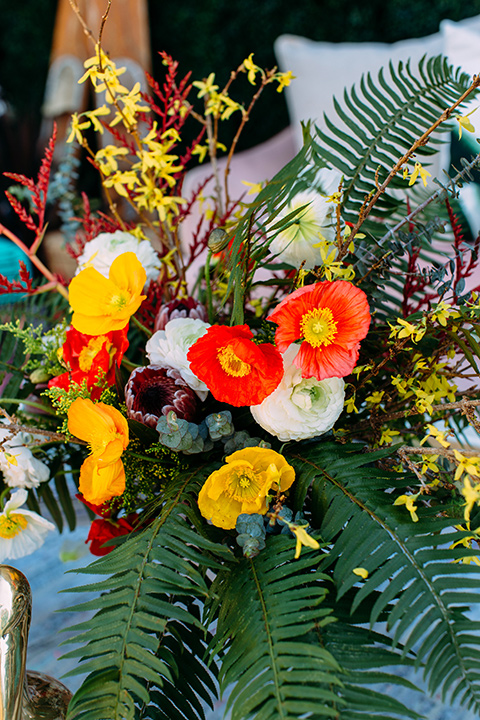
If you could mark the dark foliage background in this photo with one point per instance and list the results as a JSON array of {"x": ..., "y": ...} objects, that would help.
[{"x": 211, "y": 35}]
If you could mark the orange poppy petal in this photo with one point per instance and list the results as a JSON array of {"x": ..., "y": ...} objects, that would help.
[
  {"x": 87, "y": 422},
  {"x": 332, "y": 361},
  {"x": 233, "y": 367},
  {"x": 100, "y": 484},
  {"x": 332, "y": 350}
]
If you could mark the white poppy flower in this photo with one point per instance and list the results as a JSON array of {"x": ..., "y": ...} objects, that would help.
[
  {"x": 21, "y": 531},
  {"x": 300, "y": 408},
  {"x": 297, "y": 244},
  {"x": 169, "y": 348},
  {"x": 100, "y": 252},
  {"x": 17, "y": 463}
]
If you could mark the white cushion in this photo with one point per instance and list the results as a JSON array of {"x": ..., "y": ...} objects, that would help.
[
  {"x": 461, "y": 45},
  {"x": 323, "y": 70}
]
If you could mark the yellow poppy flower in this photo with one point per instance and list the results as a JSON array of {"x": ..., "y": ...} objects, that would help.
[
  {"x": 101, "y": 305},
  {"x": 102, "y": 475},
  {"x": 242, "y": 485}
]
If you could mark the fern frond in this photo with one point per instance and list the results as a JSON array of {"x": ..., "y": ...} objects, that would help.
[
  {"x": 381, "y": 121},
  {"x": 140, "y": 644},
  {"x": 411, "y": 563},
  {"x": 268, "y": 606}
]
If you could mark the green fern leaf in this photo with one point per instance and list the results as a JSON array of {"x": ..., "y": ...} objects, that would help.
[
  {"x": 423, "y": 582},
  {"x": 380, "y": 121},
  {"x": 143, "y": 646},
  {"x": 268, "y": 606}
]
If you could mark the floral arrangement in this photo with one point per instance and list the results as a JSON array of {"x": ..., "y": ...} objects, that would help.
[{"x": 271, "y": 421}]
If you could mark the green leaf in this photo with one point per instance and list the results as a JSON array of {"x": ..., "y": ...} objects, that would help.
[
  {"x": 268, "y": 607},
  {"x": 411, "y": 563}
]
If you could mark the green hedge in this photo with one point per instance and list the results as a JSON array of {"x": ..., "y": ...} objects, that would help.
[{"x": 217, "y": 35}]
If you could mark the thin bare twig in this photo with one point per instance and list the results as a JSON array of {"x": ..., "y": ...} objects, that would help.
[
  {"x": 444, "y": 452},
  {"x": 365, "y": 211}
]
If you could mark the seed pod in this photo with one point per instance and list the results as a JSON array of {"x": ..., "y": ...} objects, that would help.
[{"x": 218, "y": 240}]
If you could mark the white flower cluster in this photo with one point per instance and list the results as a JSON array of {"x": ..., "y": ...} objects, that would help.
[
  {"x": 21, "y": 531},
  {"x": 300, "y": 408},
  {"x": 169, "y": 348},
  {"x": 100, "y": 252},
  {"x": 19, "y": 466},
  {"x": 300, "y": 242}
]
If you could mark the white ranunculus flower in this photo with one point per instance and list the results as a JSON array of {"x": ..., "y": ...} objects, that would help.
[
  {"x": 100, "y": 252},
  {"x": 300, "y": 408},
  {"x": 21, "y": 531},
  {"x": 296, "y": 244},
  {"x": 169, "y": 348},
  {"x": 17, "y": 463}
]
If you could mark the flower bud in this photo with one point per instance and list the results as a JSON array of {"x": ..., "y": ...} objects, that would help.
[{"x": 218, "y": 240}]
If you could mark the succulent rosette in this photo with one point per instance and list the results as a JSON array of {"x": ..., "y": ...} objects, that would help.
[
  {"x": 169, "y": 348},
  {"x": 329, "y": 319},
  {"x": 152, "y": 391},
  {"x": 234, "y": 368},
  {"x": 300, "y": 408}
]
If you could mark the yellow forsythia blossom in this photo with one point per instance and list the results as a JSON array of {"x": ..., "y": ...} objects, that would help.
[{"x": 408, "y": 501}]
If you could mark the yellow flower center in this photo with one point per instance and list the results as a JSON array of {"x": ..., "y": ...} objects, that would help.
[
  {"x": 11, "y": 525},
  {"x": 232, "y": 364},
  {"x": 244, "y": 484},
  {"x": 318, "y": 327},
  {"x": 117, "y": 302},
  {"x": 88, "y": 353}
]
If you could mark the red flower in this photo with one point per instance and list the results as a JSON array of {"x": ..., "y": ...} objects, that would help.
[
  {"x": 102, "y": 530},
  {"x": 330, "y": 318},
  {"x": 91, "y": 358},
  {"x": 233, "y": 367}
]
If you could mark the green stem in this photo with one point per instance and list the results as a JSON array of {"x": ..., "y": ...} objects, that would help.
[
  {"x": 208, "y": 286},
  {"x": 29, "y": 403},
  {"x": 128, "y": 364},
  {"x": 141, "y": 327}
]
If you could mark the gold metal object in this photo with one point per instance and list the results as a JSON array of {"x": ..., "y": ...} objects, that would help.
[{"x": 23, "y": 695}]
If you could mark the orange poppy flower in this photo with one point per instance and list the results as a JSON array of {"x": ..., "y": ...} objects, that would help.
[
  {"x": 233, "y": 367},
  {"x": 101, "y": 305},
  {"x": 330, "y": 319},
  {"x": 102, "y": 475}
]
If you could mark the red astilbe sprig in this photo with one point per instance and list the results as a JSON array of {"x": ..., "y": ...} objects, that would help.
[
  {"x": 24, "y": 285},
  {"x": 39, "y": 192},
  {"x": 463, "y": 268},
  {"x": 171, "y": 97},
  {"x": 92, "y": 225}
]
